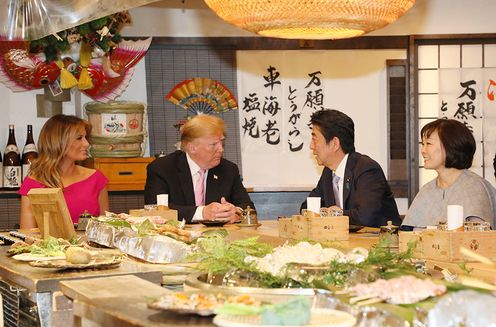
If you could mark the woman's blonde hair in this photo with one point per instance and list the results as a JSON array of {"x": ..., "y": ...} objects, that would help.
[
  {"x": 200, "y": 126},
  {"x": 54, "y": 141}
]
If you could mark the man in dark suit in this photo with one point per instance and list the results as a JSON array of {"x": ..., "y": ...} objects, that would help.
[
  {"x": 351, "y": 182},
  {"x": 200, "y": 183}
]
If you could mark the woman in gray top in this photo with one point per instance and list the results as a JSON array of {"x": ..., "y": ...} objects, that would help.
[{"x": 448, "y": 147}]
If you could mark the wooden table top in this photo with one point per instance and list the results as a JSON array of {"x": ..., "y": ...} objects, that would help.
[
  {"x": 121, "y": 300},
  {"x": 268, "y": 233},
  {"x": 47, "y": 279}
]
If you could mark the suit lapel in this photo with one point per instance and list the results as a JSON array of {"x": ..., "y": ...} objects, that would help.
[
  {"x": 185, "y": 179},
  {"x": 348, "y": 178},
  {"x": 328, "y": 191},
  {"x": 213, "y": 185}
]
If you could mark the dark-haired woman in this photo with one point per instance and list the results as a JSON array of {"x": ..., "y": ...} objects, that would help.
[{"x": 448, "y": 147}]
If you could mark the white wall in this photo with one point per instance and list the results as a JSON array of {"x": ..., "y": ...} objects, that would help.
[{"x": 194, "y": 18}]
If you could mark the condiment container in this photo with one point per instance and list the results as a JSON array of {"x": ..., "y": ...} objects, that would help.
[{"x": 390, "y": 232}]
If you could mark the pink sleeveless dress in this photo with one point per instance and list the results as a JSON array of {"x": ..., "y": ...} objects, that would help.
[{"x": 80, "y": 196}]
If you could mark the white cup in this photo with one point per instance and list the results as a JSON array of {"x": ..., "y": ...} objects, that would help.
[
  {"x": 313, "y": 204},
  {"x": 455, "y": 217},
  {"x": 163, "y": 199}
]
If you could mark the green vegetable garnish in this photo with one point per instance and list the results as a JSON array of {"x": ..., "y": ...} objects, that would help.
[
  {"x": 295, "y": 312},
  {"x": 145, "y": 228},
  {"x": 49, "y": 247},
  {"x": 215, "y": 255}
]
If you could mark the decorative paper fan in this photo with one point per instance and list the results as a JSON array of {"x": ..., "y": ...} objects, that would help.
[{"x": 202, "y": 95}]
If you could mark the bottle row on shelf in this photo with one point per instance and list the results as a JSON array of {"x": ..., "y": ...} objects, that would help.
[{"x": 15, "y": 168}]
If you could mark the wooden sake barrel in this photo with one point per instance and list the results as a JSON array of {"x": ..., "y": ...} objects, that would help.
[{"x": 117, "y": 128}]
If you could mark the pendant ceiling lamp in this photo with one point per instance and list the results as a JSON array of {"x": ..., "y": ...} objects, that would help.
[{"x": 310, "y": 19}]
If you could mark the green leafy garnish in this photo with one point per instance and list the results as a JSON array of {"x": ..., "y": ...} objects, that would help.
[
  {"x": 238, "y": 309},
  {"x": 145, "y": 228},
  {"x": 295, "y": 312},
  {"x": 174, "y": 223},
  {"x": 117, "y": 222},
  {"x": 380, "y": 263},
  {"x": 215, "y": 255},
  {"x": 49, "y": 247}
]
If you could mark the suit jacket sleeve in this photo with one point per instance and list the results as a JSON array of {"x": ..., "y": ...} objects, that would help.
[
  {"x": 238, "y": 195},
  {"x": 318, "y": 191},
  {"x": 171, "y": 175},
  {"x": 371, "y": 202},
  {"x": 155, "y": 183},
  {"x": 158, "y": 183}
]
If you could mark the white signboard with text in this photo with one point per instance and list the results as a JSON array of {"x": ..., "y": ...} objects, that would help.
[{"x": 279, "y": 90}]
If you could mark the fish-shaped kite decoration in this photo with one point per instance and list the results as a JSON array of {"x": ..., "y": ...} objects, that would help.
[
  {"x": 92, "y": 57},
  {"x": 23, "y": 71}
]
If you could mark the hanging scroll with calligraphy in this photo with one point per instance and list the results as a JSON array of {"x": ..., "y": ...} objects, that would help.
[
  {"x": 468, "y": 95},
  {"x": 279, "y": 90},
  {"x": 277, "y": 96}
]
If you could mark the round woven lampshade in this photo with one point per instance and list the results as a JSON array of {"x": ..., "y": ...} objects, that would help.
[{"x": 310, "y": 19}]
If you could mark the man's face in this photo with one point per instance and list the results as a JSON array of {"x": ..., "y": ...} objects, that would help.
[
  {"x": 322, "y": 151},
  {"x": 207, "y": 151}
]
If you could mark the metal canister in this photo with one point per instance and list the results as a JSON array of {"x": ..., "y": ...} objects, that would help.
[
  {"x": 83, "y": 220},
  {"x": 249, "y": 216},
  {"x": 390, "y": 232}
]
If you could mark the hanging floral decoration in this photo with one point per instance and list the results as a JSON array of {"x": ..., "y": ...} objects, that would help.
[
  {"x": 102, "y": 35},
  {"x": 92, "y": 57}
]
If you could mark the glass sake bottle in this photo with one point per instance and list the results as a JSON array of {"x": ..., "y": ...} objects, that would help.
[
  {"x": 29, "y": 153},
  {"x": 12, "y": 174}
]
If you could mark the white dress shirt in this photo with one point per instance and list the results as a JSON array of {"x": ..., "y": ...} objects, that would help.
[
  {"x": 340, "y": 172},
  {"x": 195, "y": 173}
]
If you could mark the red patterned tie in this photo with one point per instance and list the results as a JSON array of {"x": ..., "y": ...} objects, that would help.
[{"x": 200, "y": 189}]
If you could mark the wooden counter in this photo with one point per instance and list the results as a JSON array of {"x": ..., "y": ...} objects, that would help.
[
  {"x": 121, "y": 301},
  {"x": 268, "y": 233},
  {"x": 41, "y": 286},
  {"x": 47, "y": 280}
]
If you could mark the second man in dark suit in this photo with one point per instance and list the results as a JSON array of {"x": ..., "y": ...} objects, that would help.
[
  {"x": 350, "y": 181},
  {"x": 200, "y": 183}
]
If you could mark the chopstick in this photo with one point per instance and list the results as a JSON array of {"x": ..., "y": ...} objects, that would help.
[
  {"x": 472, "y": 282},
  {"x": 365, "y": 299},
  {"x": 477, "y": 257}
]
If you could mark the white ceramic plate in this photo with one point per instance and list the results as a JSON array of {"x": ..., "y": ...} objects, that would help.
[
  {"x": 249, "y": 226},
  {"x": 160, "y": 304},
  {"x": 173, "y": 279},
  {"x": 319, "y": 318},
  {"x": 32, "y": 257},
  {"x": 214, "y": 223},
  {"x": 96, "y": 263}
]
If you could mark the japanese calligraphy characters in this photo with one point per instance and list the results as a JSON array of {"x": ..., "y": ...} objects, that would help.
[{"x": 273, "y": 114}]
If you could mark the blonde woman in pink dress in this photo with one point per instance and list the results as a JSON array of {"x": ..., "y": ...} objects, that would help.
[{"x": 62, "y": 143}]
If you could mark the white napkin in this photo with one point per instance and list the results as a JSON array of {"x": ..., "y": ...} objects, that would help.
[
  {"x": 163, "y": 199},
  {"x": 313, "y": 204}
]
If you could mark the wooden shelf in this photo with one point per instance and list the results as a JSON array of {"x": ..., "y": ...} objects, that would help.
[{"x": 124, "y": 174}]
